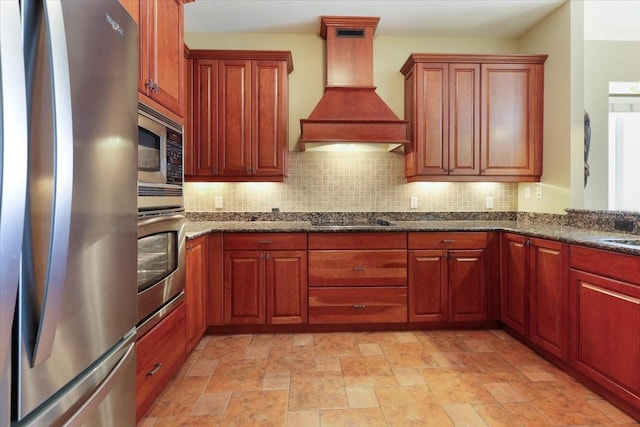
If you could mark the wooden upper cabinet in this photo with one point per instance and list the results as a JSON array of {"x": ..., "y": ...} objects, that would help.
[
  {"x": 512, "y": 120},
  {"x": 474, "y": 117},
  {"x": 161, "y": 56},
  {"x": 240, "y": 115}
]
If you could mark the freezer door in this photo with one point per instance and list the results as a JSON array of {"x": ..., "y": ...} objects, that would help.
[
  {"x": 77, "y": 295},
  {"x": 104, "y": 396},
  {"x": 13, "y": 181}
]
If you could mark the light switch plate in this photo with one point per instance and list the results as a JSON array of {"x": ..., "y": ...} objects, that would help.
[
  {"x": 538, "y": 192},
  {"x": 218, "y": 202},
  {"x": 527, "y": 192},
  {"x": 489, "y": 202}
]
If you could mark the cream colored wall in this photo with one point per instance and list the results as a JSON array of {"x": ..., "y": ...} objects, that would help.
[
  {"x": 553, "y": 37},
  {"x": 604, "y": 61}
]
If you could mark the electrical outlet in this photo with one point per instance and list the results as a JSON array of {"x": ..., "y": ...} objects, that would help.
[
  {"x": 538, "y": 192},
  {"x": 413, "y": 202},
  {"x": 489, "y": 202},
  {"x": 218, "y": 202},
  {"x": 527, "y": 192}
]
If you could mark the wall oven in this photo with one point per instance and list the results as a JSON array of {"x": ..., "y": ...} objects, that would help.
[
  {"x": 161, "y": 265},
  {"x": 159, "y": 160}
]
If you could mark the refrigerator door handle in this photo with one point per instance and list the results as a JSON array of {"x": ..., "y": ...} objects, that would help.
[
  {"x": 98, "y": 396},
  {"x": 13, "y": 165},
  {"x": 63, "y": 182}
]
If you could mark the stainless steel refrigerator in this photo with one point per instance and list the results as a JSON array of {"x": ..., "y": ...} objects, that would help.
[{"x": 68, "y": 173}]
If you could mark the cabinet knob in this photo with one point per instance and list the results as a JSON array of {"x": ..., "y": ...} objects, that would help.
[
  {"x": 359, "y": 269},
  {"x": 483, "y": 171},
  {"x": 155, "y": 369},
  {"x": 451, "y": 171},
  {"x": 359, "y": 306}
]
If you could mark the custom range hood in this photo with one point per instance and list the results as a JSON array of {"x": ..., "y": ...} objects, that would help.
[{"x": 350, "y": 110}]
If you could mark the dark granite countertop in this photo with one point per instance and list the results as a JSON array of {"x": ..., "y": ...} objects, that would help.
[{"x": 561, "y": 233}]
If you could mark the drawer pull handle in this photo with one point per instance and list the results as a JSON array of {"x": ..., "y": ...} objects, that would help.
[
  {"x": 359, "y": 269},
  {"x": 264, "y": 242},
  {"x": 155, "y": 369},
  {"x": 449, "y": 241},
  {"x": 359, "y": 306}
]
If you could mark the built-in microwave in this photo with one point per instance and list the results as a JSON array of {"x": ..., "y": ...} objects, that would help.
[{"x": 160, "y": 153}]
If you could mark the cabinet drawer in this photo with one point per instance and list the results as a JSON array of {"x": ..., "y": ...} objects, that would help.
[
  {"x": 264, "y": 241},
  {"x": 604, "y": 263},
  {"x": 358, "y": 268},
  {"x": 357, "y": 240},
  {"x": 357, "y": 305},
  {"x": 447, "y": 240},
  {"x": 160, "y": 353}
]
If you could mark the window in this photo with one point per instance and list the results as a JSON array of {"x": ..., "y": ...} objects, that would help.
[{"x": 624, "y": 146}]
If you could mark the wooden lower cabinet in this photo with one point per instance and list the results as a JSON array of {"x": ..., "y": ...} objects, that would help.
[
  {"x": 265, "y": 286},
  {"x": 159, "y": 354},
  {"x": 196, "y": 295},
  {"x": 605, "y": 320},
  {"x": 447, "y": 282},
  {"x": 534, "y": 291},
  {"x": 357, "y": 278}
]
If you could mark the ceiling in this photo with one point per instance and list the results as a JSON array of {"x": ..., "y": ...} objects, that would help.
[{"x": 444, "y": 18}]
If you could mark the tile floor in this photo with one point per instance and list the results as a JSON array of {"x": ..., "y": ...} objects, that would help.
[{"x": 426, "y": 378}]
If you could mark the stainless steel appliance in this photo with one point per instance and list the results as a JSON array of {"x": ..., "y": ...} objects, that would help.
[
  {"x": 68, "y": 171},
  {"x": 161, "y": 264},
  {"x": 159, "y": 161}
]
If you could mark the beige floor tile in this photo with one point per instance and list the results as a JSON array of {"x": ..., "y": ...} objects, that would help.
[
  {"x": 447, "y": 360},
  {"x": 370, "y": 417},
  {"x": 212, "y": 404},
  {"x": 272, "y": 339},
  {"x": 504, "y": 392},
  {"x": 615, "y": 414},
  {"x": 367, "y": 371},
  {"x": 315, "y": 390},
  {"x": 362, "y": 397},
  {"x": 417, "y": 406},
  {"x": 370, "y": 349},
  {"x": 257, "y": 351},
  {"x": 256, "y": 408},
  {"x": 464, "y": 415},
  {"x": 375, "y": 337},
  {"x": 403, "y": 347},
  {"x": 238, "y": 375},
  {"x": 201, "y": 368},
  {"x": 511, "y": 414},
  {"x": 411, "y": 360},
  {"x": 338, "y": 344},
  {"x": 276, "y": 381},
  {"x": 406, "y": 336},
  {"x": 303, "y": 339},
  {"x": 328, "y": 363},
  {"x": 408, "y": 376},
  {"x": 456, "y": 388},
  {"x": 147, "y": 422},
  {"x": 188, "y": 421},
  {"x": 225, "y": 347},
  {"x": 291, "y": 359},
  {"x": 303, "y": 418}
]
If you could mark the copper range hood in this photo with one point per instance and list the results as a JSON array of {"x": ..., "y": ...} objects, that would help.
[{"x": 350, "y": 111}]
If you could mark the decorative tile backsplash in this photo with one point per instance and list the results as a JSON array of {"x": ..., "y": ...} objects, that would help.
[{"x": 327, "y": 181}]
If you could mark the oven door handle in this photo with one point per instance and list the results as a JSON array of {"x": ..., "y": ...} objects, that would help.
[{"x": 152, "y": 223}]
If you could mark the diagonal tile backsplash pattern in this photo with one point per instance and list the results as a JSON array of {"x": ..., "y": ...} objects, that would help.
[{"x": 326, "y": 181}]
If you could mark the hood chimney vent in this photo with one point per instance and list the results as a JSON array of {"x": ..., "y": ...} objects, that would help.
[{"x": 350, "y": 110}]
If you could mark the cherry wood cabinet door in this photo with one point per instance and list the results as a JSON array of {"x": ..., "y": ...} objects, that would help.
[
  {"x": 286, "y": 287},
  {"x": 161, "y": 46},
  {"x": 464, "y": 119},
  {"x": 515, "y": 283},
  {"x": 202, "y": 152},
  {"x": 467, "y": 285},
  {"x": 605, "y": 331},
  {"x": 431, "y": 140},
  {"x": 234, "y": 117},
  {"x": 548, "y": 302},
  {"x": 196, "y": 290},
  {"x": 244, "y": 287},
  {"x": 428, "y": 286},
  {"x": 269, "y": 121},
  {"x": 511, "y": 119}
]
